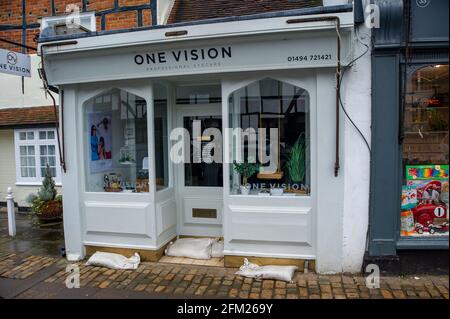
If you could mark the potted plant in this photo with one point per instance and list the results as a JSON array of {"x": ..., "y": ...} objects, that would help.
[
  {"x": 247, "y": 170},
  {"x": 296, "y": 164},
  {"x": 46, "y": 205}
]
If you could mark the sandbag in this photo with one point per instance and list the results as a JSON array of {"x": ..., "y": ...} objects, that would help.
[
  {"x": 114, "y": 261},
  {"x": 217, "y": 249},
  {"x": 197, "y": 248},
  {"x": 250, "y": 270}
]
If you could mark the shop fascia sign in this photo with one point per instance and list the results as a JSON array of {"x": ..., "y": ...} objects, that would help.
[
  {"x": 15, "y": 63},
  {"x": 195, "y": 58}
]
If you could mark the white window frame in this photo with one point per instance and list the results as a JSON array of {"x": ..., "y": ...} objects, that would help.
[{"x": 36, "y": 142}]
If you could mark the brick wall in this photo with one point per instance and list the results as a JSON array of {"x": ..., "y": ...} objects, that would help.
[{"x": 127, "y": 14}]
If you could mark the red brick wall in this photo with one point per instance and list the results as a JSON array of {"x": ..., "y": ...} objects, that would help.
[{"x": 11, "y": 14}]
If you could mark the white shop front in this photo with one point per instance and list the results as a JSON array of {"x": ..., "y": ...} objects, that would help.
[{"x": 138, "y": 106}]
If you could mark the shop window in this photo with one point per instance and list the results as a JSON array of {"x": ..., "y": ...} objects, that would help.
[
  {"x": 161, "y": 138},
  {"x": 35, "y": 150},
  {"x": 425, "y": 190},
  {"x": 116, "y": 143},
  {"x": 270, "y": 139}
]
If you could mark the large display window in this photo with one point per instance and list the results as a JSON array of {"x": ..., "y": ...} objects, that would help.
[
  {"x": 271, "y": 138},
  {"x": 116, "y": 143},
  {"x": 425, "y": 187}
]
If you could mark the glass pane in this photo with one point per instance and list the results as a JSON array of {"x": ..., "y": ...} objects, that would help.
[
  {"x": 23, "y": 150},
  {"x": 43, "y": 161},
  {"x": 30, "y": 135},
  {"x": 198, "y": 94},
  {"x": 30, "y": 150},
  {"x": 425, "y": 190},
  {"x": 271, "y": 139},
  {"x": 50, "y": 135},
  {"x": 115, "y": 139},
  {"x": 31, "y": 172},
  {"x": 31, "y": 161},
  {"x": 52, "y": 160},
  {"x": 23, "y": 161},
  {"x": 23, "y": 172},
  {"x": 161, "y": 137},
  {"x": 42, "y": 135},
  {"x": 51, "y": 149},
  {"x": 202, "y": 169},
  {"x": 43, "y": 149},
  {"x": 22, "y": 136},
  {"x": 53, "y": 171}
]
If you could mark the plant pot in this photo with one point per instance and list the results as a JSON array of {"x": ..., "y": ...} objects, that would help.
[
  {"x": 245, "y": 189},
  {"x": 276, "y": 191},
  {"x": 50, "y": 211}
]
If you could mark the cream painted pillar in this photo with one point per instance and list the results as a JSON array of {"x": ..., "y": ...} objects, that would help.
[{"x": 72, "y": 178}]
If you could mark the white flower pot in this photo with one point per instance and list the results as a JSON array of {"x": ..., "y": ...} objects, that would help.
[
  {"x": 276, "y": 191},
  {"x": 245, "y": 189}
]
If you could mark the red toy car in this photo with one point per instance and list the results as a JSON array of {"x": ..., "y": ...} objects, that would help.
[
  {"x": 426, "y": 213},
  {"x": 420, "y": 229}
]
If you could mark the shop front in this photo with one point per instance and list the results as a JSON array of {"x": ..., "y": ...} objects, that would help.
[
  {"x": 226, "y": 129},
  {"x": 410, "y": 184}
]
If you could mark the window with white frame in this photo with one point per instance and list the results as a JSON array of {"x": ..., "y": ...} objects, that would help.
[{"x": 35, "y": 149}]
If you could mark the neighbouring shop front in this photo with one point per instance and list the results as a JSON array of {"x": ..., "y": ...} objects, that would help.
[
  {"x": 164, "y": 129},
  {"x": 410, "y": 129}
]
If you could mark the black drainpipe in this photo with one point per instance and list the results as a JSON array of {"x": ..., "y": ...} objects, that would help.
[{"x": 338, "y": 76}]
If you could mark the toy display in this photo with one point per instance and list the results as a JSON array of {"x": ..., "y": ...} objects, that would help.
[
  {"x": 427, "y": 172},
  {"x": 407, "y": 223},
  {"x": 425, "y": 197},
  {"x": 409, "y": 197}
]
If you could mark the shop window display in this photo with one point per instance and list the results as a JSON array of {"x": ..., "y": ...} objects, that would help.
[
  {"x": 425, "y": 190},
  {"x": 116, "y": 143},
  {"x": 271, "y": 151}
]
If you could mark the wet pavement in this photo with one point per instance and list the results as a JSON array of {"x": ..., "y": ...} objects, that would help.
[
  {"x": 31, "y": 267},
  {"x": 45, "y": 240}
]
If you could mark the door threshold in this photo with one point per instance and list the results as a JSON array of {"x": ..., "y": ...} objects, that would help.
[{"x": 213, "y": 262}]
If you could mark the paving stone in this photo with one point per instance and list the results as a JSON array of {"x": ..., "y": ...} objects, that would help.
[{"x": 204, "y": 281}]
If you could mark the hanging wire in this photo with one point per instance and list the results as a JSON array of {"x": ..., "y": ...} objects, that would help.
[{"x": 340, "y": 100}]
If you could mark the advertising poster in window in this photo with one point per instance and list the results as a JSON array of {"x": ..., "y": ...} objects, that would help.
[
  {"x": 426, "y": 198},
  {"x": 100, "y": 142}
]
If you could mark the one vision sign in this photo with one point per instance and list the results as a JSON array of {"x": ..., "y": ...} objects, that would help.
[{"x": 15, "y": 63}]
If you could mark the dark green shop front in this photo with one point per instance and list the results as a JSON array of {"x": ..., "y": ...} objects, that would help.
[{"x": 410, "y": 155}]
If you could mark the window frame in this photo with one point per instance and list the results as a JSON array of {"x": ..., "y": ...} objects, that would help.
[
  {"x": 412, "y": 242},
  {"x": 36, "y": 142},
  {"x": 308, "y": 116}
]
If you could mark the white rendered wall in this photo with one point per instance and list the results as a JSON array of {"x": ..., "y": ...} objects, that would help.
[
  {"x": 11, "y": 88},
  {"x": 356, "y": 95}
]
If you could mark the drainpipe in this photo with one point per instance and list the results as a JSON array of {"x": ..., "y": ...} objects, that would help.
[
  {"x": 338, "y": 76},
  {"x": 42, "y": 74}
]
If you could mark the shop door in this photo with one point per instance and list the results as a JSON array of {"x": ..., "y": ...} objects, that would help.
[{"x": 199, "y": 179}]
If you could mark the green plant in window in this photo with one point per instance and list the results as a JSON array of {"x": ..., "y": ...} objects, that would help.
[
  {"x": 296, "y": 166},
  {"x": 246, "y": 169},
  {"x": 126, "y": 157}
]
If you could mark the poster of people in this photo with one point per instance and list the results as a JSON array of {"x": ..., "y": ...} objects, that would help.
[{"x": 100, "y": 132}]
